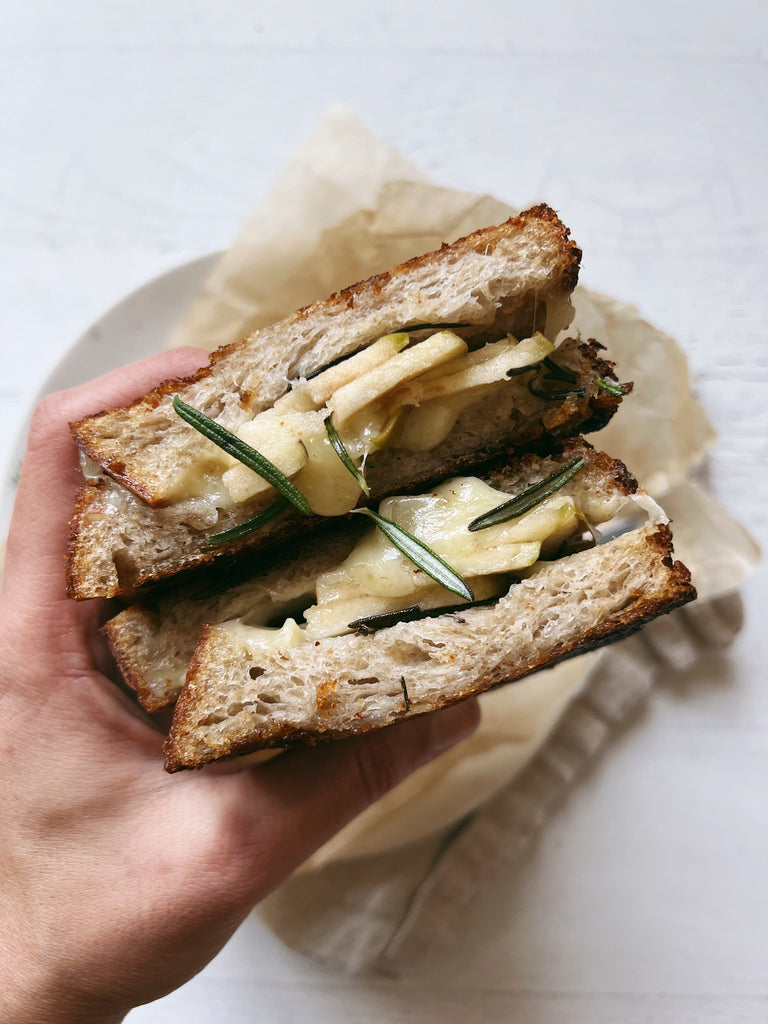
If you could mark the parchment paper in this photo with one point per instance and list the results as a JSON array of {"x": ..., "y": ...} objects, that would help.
[{"x": 348, "y": 206}]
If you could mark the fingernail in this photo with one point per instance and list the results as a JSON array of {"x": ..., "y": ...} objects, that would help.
[{"x": 454, "y": 724}]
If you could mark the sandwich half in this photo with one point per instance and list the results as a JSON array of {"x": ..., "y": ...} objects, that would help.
[
  {"x": 347, "y": 634},
  {"x": 444, "y": 362},
  {"x": 373, "y": 509}
]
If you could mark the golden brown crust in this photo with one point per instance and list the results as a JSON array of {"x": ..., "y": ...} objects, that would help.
[
  {"x": 129, "y": 632},
  {"x": 570, "y": 253},
  {"x": 92, "y": 435},
  {"x": 574, "y": 413},
  {"x": 641, "y": 609},
  {"x": 119, "y": 645},
  {"x": 87, "y": 507}
]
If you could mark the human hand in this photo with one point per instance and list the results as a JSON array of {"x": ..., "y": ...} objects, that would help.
[{"x": 120, "y": 882}]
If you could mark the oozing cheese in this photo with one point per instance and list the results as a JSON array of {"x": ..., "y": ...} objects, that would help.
[
  {"x": 389, "y": 395},
  {"x": 440, "y": 519},
  {"x": 376, "y": 578},
  {"x": 260, "y": 642},
  {"x": 325, "y": 481}
]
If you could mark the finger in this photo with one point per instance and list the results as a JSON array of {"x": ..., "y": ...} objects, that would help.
[
  {"x": 37, "y": 540},
  {"x": 305, "y": 797}
]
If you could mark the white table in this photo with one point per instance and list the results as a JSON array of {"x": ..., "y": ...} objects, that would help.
[{"x": 135, "y": 137}]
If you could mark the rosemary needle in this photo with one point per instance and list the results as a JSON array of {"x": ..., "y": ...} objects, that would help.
[
  {"x": 529, "y": 499},
  {"x": 422, "y": 556},
  {"x": 372, "y": 623},
  {"x": 250, "y": 457},
  {"x": 428, "y": 327},
  {"x": 250, "y": 525},
  {"x": 346, "y": 458},
  {"x": 617, "y": 390},
  {"x": 406, "y": 698}
]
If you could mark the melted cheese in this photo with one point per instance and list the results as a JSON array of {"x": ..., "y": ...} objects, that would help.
[
  {"x": 259, "y": 642},
  {"x": 440, "y": 519},
  {"x": 376, "y": 578},
  {"x": 388, "y": 395},
  {"x": 325, "y": 481}
]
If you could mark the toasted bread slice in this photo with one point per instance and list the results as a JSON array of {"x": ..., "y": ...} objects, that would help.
[
  {"x": 353, "y": 684},
  {"x": 235, "y": 702},
  {"x": 119, "y": 544},
  {"x": 154, "y": 639},
  {"x": 514, "y": 278},
  {"x": 502, "y": 279}
]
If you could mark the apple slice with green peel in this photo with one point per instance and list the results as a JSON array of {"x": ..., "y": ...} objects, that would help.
[
  {"x": 351, "y": 398},
  {"x": 278, "y": 435},
  {"x": 434, "y": 401},
  {"x": 486, "y": 366},
  {"x": 320, "y": 388}
]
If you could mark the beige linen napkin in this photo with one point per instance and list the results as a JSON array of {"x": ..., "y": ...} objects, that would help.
[
  {"x": 399, "y": 877},
  {"x": 383, "y": 910}
]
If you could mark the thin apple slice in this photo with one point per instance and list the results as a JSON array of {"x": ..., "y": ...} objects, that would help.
[
  {"x": 357, "y": 394},
  {"x": 279, "y": 437}
]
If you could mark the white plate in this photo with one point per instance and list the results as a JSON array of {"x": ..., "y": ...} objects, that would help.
[{"x": 137, "y": 327}]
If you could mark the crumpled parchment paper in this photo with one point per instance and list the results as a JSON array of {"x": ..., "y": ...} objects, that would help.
[{"x": 348, "y": 206}]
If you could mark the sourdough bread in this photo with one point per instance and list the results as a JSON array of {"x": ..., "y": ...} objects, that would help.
[
  {"x": 347, "y": 684},
  {"x": 500, "y": 279},
  {"x": 118, "y": 543},
  {"x": 516, "y": 277}
]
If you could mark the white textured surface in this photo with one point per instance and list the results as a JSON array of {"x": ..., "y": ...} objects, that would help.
[{"x": 136, "y": 138}]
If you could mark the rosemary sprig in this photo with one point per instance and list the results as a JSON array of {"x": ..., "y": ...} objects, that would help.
[
  {"x": 617, "y": 390},
  {"x": 551, "y": 387},
  {"x": 427, "y": 327},
  {"x": 529, "y": 499},
  {"x": 346, "y": 458},
  {"x": 560, "y": 372},
  {"x": 250, "y": 457},
  {"x": 422, "y": 556},
  {"x": 551, "y": 381},
  {"x": 250, "y": 525},
  {"x": 548, "y": 387},
  {"x": 372, "y": 623},
  {"x": 406, "y": 698},
  {"x": 515, "y": 371}
]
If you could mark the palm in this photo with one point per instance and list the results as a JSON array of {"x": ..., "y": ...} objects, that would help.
[{"x": 150, "y": 840}]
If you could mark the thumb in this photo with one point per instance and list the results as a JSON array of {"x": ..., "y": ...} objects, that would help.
[{"x": 37, "y": 540}]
